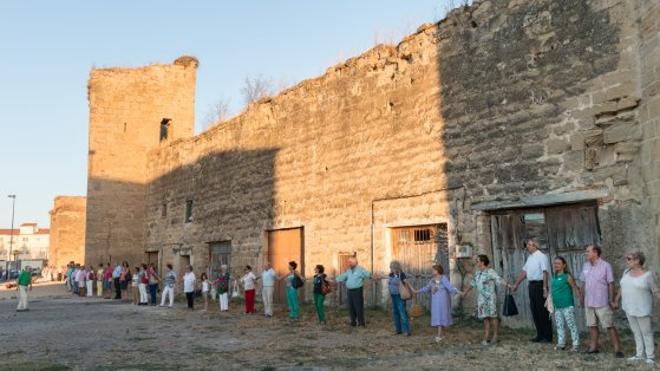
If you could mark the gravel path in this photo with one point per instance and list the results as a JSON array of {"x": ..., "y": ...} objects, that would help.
[{"x": 65, "y": 332}]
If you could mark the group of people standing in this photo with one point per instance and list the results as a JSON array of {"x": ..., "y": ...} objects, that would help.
[
  {"x": 138, "y": 285},
  {"x": 550, "y": 292}
]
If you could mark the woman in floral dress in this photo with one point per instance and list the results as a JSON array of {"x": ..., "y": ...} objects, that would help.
[{"x": 484, "y": 280}]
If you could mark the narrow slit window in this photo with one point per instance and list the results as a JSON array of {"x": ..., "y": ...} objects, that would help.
[
  {"x": 164, "y": 210},
  {"x": 164, "y": 129},
  {"x": 189, "y": 211}
]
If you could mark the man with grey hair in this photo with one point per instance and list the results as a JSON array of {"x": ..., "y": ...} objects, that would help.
[
  {"x": 268, "y": 279},
  {"x": 354, "y": 277},
  {"x": 537, "y": 271}
]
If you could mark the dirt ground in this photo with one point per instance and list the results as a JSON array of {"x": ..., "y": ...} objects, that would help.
[{"x": 65, "y": 332}]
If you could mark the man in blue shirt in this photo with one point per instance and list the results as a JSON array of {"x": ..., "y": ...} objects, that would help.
[
  {"x": 115, "y": 278},
  {"x": 354, "y": 278}
]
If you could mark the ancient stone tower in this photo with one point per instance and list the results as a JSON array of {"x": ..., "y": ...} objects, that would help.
[{"x": 132, "y": 111}]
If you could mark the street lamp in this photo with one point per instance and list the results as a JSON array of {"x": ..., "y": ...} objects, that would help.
[{"x": 11, "y": 232}]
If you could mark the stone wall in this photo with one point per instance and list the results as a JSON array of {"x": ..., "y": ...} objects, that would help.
[
  {"x": 650, "y": 114},
  {"x": 67, "y": 231},
  {"x": 499, "y": 102},
  {"x": 126, "y": 109}
]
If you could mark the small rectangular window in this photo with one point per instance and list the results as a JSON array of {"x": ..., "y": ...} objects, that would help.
[
  {"x": 189, "y": 209},
  {"x": 422, "y": 235},
  {"x": 164, "y": 129},
  {"x": 164, "y": 210}
]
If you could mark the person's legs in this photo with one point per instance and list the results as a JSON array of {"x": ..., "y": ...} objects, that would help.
[
  {"x": 90, "y": 288},
  {"x": 99, "y": 288},
  {"x": 539, "y": 313},
  {"x": 486, "y": 329},
  {"x": 292, "y": 299},
  {"x": 496, "y": 329},
  {"x": 22, "y": 298},
  {"x": 646, "y": 329},
  {"x": 359, "y": 307},
  {"x": 352, "y": 303},
  {"x": 569, "y": 316},
  {"x": 249, "y": 300},
  {"x": 396, "y": 315},
  {"x": 559, "y": 323},
  {"x": 637, "y": 334},
  {"x": 153, "y": 289},
  {"x": 614, "y": 335},
  {"x": 405, "y": 323},
  {"x": 189, "y": 299},
  {"x": 267, "y": 296},
  {"x": 224, "y": 302},
  {"x": 320, "y": 309},
  {"x": 163, "y": 297},
  {"x": 117, "y": 289},
  {"x": 171, "y": 296}
]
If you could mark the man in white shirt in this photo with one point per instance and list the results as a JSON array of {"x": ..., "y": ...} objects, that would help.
[
  {"x": 189, "y": 282},
  {"x": 268, "y": 279},
  {"x": 537, "y": 271}
]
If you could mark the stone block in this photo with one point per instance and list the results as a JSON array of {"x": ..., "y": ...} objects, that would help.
[
  {"x": 621, "y": 132},
  {"x": 556, "y": 146}
]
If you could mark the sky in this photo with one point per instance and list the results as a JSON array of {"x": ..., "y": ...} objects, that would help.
[{"x": 47, "y": 49}]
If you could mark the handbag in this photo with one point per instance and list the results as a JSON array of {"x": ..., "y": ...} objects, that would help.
[
  {"x": 510, "y": 308},
  {"x": 549, "y": 305},
  {"x": 235, "y": 293},
  {"x": 404, "y": 290}
]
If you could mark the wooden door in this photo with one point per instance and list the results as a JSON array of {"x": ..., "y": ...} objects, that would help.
[
  {"x": 418, "y": 248},
  {"x": 152, "y": 257},
  {"x": 342, "y": 295},
  {"x": 285, "y": 245},
  {"x": 219, "y": 254},
  {"x": 561, "y": 230}
]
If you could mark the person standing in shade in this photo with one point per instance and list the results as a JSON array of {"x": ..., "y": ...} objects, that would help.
[
  {"x": 170, "y": 283},
  {"x": 354, "y": 278},
  {"x": 99, "y": 281},
  {"x": 320, "y": 279},
  {"x": 562, "y": 287},
  {"x": 247, "y": 281},
  {"x": 638, "y": 287},
  {"x": 268, "y": 278},
  {"x": 90, "y": 279},
  {"x": 154, "y": 279},
  {"x": 293, "y": 280},
  {"x": 189, "y": 281},
  {"x": 441, "y": 290},
  {"x": 537, "y": 272},
  {"x": 116, "y": 273},
  {"x": 135, "y": 283},
  {"x": 142, "y": 285},
  {"x": 598, "y": 280},
  {"x": 23, "y": 284},
  {"x": 222, "y": 285},
  {"x": 485, "y": 281},
  {"x": 107, "y": 282},
  {"x": 399, "y": 313}
]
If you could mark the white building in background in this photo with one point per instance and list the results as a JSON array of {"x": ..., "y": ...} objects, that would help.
[{"x": 29, "y": 242}]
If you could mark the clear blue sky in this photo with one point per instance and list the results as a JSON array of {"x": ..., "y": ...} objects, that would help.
[{"x": 48, "y": 47}]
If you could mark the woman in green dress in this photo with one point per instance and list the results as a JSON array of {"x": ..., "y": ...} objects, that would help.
[{"x": 484, "y": 280}]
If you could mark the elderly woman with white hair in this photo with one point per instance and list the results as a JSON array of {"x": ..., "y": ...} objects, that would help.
[
  {"x": 395, "y": 283},
  {"x": 638, "y": 286}
]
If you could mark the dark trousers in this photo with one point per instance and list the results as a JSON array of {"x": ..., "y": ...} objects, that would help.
[
  {"x": 117, "y": 288},
  {"x": 539, "y": 312},
  {"x": 189, "y": 298},
  {"x": 356, "y": 306},
  {"x": 153, "y": 292}
]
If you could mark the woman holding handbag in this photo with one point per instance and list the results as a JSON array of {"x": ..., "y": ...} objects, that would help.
[
  {"x": 400, "y": 291},
  {"x": 441, "y": 290},
  {"x": 294, "y": 281},
  {"x": 321, "y": 289}
]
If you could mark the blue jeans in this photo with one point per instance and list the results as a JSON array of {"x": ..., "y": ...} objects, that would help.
[
  {"x": 400, "y": 315},
  {"x": 153, "y": 289}
]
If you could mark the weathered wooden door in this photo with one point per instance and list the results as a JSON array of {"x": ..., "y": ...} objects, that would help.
[
  {"x": 342, "y": 295},
  {"x": 418, "y": 248},
  {"x": 560, "y": 230},
  {"x": 219, "y": 254},
  {"x": 152, "y": 257},
  {"x": 285, "y": 245}
]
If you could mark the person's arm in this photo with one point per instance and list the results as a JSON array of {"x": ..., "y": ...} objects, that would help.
[
  {"x": 423, "y": 290},
  {"x": 545, "y": 284},
  {"x": 341, "y": 277},
  {"x": 574, "y": 286},
  {"x": 447, "y": 284},
  {"x": 521, "y": 277}
]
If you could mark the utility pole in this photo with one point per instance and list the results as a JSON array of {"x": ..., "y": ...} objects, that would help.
[{"x": 11, "y": 233}]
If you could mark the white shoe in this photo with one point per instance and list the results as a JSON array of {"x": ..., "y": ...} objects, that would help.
[
  {"x": 438, "y": 339},
  {"x": 634, "y": 359},
  {"x": 650, "y": 361}
]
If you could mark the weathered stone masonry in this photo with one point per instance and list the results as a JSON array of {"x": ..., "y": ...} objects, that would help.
[
  {"x": 505, "y": 104},
  {"x": 67, "y": 231}
]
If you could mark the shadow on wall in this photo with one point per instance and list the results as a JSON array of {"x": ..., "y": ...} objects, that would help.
[
  {"x": 505, "y": 75},
  {"x": 231, "y": 195}
]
